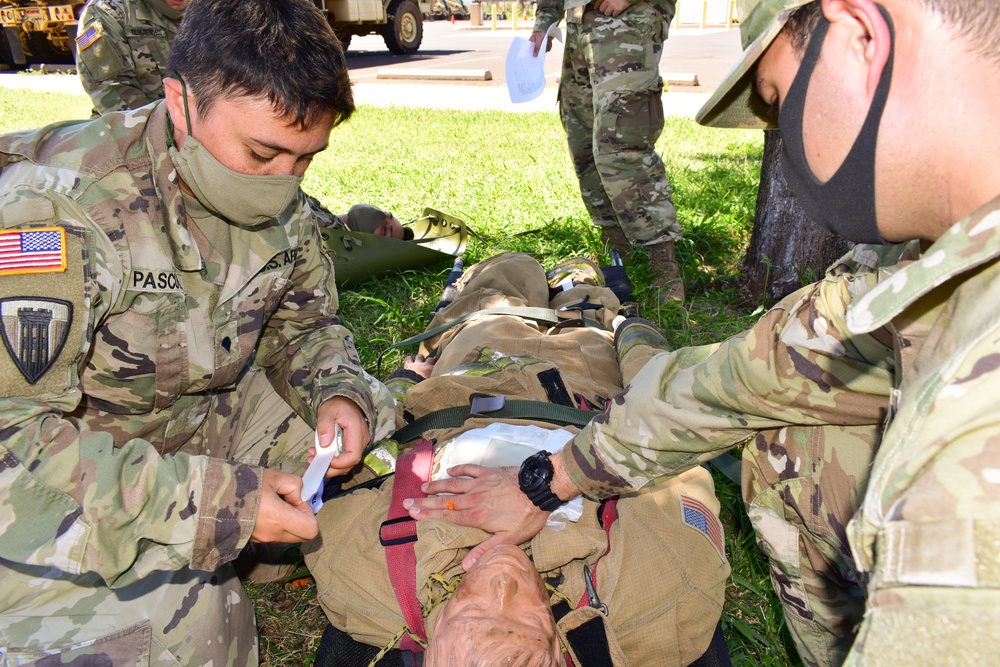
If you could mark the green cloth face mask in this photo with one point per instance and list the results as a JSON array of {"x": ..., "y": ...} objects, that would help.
[{"x": 242, "y": 199}]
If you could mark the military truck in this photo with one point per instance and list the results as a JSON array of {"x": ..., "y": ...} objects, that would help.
[
  {"x": 39, "y": 31},
  {"x": 400, "y": 22}
]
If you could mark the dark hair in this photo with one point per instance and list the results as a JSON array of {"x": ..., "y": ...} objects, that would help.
[
  {"x": 801, "y": 24},
  {"x": 280, "y": 49},
  {"x": 976, "y": 20}
]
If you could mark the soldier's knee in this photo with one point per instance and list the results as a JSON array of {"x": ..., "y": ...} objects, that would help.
[{"x": 631, "y": 121}]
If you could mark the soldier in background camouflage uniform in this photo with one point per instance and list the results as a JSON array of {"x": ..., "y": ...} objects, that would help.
[
  {"x": 122, "y": 49},
  {"x": 867, "y": 401},
  {"x": 169, "y": 355},
  {"x": 610, "y": 103}
]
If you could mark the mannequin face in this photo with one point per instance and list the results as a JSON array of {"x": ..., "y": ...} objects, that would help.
[
  {"x": 390, "y": 227},
  {"x": 500, "y": 609}
]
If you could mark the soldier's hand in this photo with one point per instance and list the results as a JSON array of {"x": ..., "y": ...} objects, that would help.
[
  {"x": 612, "y": 7},
  {"x": 282, "y": 516},
  {"x": 485, "y": 498},
  {"x": 356, "y": 436},
  {"x": 536, "y": 39}
]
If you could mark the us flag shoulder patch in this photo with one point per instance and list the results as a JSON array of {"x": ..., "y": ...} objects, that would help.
[
  {"x": 38, "y": 250},
  {"x": 88, "y": 36},
  {"x": 697, "y": 515}
]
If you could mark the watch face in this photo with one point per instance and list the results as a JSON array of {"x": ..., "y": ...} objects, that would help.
[
  {"x": 531, "y": 475},
  {"x": 536, "y": 472}
]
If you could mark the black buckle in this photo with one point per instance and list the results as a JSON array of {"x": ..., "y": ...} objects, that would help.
[
  {"x": 483, "y": 404},
  {"x": 401, "y": 538}
]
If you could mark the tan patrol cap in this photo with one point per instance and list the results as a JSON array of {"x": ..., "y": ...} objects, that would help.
[{"x": 734, "y": 103}]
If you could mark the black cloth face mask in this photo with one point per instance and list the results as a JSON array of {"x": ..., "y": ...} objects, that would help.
[{"x": 845, "y": 204}]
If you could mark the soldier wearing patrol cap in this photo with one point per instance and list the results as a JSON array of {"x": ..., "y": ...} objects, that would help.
[
  {"x": 122, "y": 48},
  {"x": 866, "y": 402},
  {"x": 171, "y": 348}
]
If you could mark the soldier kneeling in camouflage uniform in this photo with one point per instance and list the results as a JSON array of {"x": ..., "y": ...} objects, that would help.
[
  {"x": 661, "y": 570},
  {"x": 170, "y": 348}
]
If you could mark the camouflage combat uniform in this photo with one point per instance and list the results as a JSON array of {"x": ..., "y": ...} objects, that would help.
[
  {"x": 144, "y": 382},
  {"x": 610, "y": 104},
  {"x": 122, "y": 52},
  {"x": 664, "y": 591},
  {"x": 807, "y": 401},
  {"x": 867, "y": 403}
]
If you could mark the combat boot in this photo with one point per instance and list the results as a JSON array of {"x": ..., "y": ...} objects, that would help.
[
  {"x": 666, "y": 273},
  {"x": 614, "y": 237}
]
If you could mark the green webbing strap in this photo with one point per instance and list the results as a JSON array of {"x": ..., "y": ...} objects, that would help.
[
  {"x": 455, "y": 417},
  {"x": 729, "y": 466},
  {"x": 543, "y": 315},
  {"x": 552, "y": 413}
]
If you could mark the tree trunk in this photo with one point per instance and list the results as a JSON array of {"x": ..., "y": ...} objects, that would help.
[{"x": 787, "y": 250}]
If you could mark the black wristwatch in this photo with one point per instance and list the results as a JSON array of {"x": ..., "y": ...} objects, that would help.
[{"x": 535, "y": 479}]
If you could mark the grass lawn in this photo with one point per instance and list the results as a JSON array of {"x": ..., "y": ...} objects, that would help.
[{"x": 510, "y": 178}]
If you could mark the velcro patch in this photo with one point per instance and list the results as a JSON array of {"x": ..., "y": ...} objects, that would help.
[
  {"x": 697, "y": 515},
  {"x": 24, "y": 211},
  {"x": 37, "y": 250},
  {"x": 89, "y": 36}
]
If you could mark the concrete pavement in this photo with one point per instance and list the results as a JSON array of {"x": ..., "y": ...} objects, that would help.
[
  {"x": 424, "y": 95},
  {"x": 706, "y": 53}
]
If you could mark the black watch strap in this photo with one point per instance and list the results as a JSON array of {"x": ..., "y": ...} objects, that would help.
[{"x": 545, "y": 500}]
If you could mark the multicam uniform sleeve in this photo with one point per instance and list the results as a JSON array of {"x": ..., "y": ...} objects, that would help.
[
  {"x": 797, "y": 365},
  {"x": 105, "y": 61},
  {"x": 547, "y": 12},
  {"x": 667, "y": 7},
  {"x": 308, "y": 355},
  {"x": 69, "y": 498}
]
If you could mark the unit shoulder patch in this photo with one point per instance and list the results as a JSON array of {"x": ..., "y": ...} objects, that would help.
[
  {"x": 35, "y": 250},
  {"x": 34, "y": 331}
]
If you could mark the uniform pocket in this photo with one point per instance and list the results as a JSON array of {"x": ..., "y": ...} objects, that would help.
[
  {"x": 635, "y": 120},
  {"x": 124, "y": 648},
  {"x": 237, "y": 338}
]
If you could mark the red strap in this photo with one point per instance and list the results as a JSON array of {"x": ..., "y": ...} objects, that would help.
[
  {"x": 609, "y": 514},
  {"x": 399, "y": 532}
]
